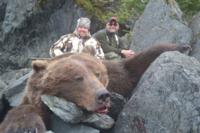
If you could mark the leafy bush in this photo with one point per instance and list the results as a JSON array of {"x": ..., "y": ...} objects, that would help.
[
  {"x": 130, "y": 8},
  {"x": 123, "y": 10},
  {"x": 189, "y": 7},
  {"x": 127, "y": 8}
]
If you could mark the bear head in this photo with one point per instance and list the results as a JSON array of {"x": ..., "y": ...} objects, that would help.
[{"x": 80, "y": 79}]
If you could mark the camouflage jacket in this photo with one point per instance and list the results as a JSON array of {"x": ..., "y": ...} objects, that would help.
[{"x": 73, "y": 44}]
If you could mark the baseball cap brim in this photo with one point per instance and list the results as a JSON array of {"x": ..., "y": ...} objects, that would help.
[{"x": 112, "y": 19}]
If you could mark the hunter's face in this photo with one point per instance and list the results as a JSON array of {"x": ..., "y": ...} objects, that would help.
[
  {"x": 112, "y": 26},
  {"x": 83, "y": 31}
]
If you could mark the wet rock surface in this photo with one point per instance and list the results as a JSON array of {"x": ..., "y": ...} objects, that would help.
[
  {"x": 160, "y": 22},
  {"x": 70, "y": 113},
  {"x": 166, "y": 98}
]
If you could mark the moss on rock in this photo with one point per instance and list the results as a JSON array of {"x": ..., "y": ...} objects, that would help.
[{"x": 41, "y": 2}]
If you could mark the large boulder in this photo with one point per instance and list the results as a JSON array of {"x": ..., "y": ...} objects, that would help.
[
  {"x": 29, "y": 28},
  {"x": 195, "y": 26},
  {"x": 2, "y": 10},
  {"x": 58, "y": 126},
  {"x": 12, "y": 85},
  {"x": 160, "y": 22},
  {"x": 166, "y": 99},
  {"x": 2, "y": 85}
]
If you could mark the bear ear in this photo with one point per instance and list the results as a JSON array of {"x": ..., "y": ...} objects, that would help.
[{"x": 39, "y": 65}]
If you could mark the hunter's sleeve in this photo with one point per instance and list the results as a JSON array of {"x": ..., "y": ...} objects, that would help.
[
  {"x": 122, "y": 44},
  {"x": 58, "y": 46},
  {"x": 99, "y": 51},
  {"x": 93, "y": 47}
]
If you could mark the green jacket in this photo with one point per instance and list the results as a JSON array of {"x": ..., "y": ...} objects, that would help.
[{"x": 110, "y": 42}]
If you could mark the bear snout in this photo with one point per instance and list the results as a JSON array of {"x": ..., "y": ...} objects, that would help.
[
  {"x": 103, "y": 101},
  {"x": 103, "y": 96}
]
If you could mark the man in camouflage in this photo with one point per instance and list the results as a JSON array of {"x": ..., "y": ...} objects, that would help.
[{"x": 77, "y": 42}]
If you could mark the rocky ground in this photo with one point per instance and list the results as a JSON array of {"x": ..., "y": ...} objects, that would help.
[{"x": 165, "y": 100}]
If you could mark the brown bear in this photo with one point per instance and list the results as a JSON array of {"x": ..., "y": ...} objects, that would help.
[{"x": 81, "y": 79}]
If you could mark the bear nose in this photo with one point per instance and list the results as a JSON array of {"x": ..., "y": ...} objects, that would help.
[{"x": 103, "y": 96}]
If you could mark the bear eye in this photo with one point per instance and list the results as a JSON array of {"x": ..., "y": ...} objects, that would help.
[
  {"x": 79, "y": 78},
  {"x": 97, "y": 75}
]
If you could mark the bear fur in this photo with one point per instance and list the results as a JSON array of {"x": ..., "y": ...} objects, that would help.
[
  {"x": 124, "y": 75},
  {"x": 81, "y": 79}
]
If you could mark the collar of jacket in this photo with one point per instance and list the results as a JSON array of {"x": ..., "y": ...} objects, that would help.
[
  {"x": 86, "y": 37},
  {"x": 110, "y": 34}
]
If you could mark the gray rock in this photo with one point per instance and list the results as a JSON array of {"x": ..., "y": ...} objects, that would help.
[
  {"x": 1, "y": 107},
  {"x": 49, "y": 132},
  {"x": 99, "y": 121},
  {"x": 12, "y": 76},
  {"x": 4, "y": 106},
  {"x": 18, "y": 85},
  {"x": 59, "y": 126},
  {"x": 16, "y": 13},
  {"x": 160, "y": 23},
  {"x": 195, "y": 26},
  {"x": 70, "y": 113},
  {"x": 28, "y": 29},
  {"x": 15, "y": 99},
  {"x": 117, "y": 104},
  {"x": 166, "y": 100},
  {"x": 2, "y": 85},
  {"x": 3, "y": 4},
  {"x": 14, "y": 90},
  {"x": 67, "y": 111}
]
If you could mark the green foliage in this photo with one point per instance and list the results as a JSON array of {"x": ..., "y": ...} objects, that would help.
[
  {"x": 129, "y": 8},
  {"x": 41, "y": 2},
  {"x": 123, "y": 10},
  {"x": 92, "y": 9},
  {"x": 85, "y": 4},
  {"x": 189, "y": 7}
]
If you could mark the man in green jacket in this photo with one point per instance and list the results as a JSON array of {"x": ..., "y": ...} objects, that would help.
[{"x": 111, "y": 43}]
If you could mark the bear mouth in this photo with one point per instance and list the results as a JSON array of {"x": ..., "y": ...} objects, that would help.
[{"x": 103, "y": 109}]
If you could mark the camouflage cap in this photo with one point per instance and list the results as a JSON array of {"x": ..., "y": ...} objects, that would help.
[
  {"x": 83, "y": 22},
  {"x": 112, "y": 20}
]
